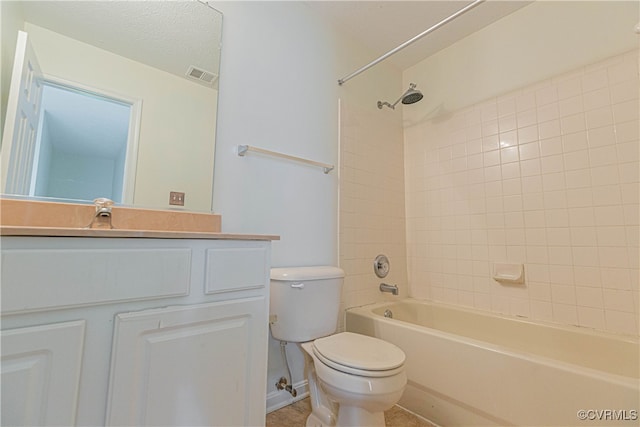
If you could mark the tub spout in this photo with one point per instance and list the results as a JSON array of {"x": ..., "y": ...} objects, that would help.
[{"x": 393, "y": 289}]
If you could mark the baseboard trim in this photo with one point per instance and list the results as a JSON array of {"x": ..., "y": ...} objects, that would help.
[{"x": 280, "y": 398}]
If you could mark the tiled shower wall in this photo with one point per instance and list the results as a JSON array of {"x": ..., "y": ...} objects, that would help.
[
  {"x": 372, "y": 214},
  {"x": 546, "y": 176}
]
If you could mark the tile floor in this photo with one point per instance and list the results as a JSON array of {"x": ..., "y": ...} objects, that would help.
[{"x": 295, "y": 415}]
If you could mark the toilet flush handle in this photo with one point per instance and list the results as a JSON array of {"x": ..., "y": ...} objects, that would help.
[{"x": 297, "y": 285}]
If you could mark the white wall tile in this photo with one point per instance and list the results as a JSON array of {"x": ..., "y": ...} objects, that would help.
[
  {"x": 621, "y": 322},
  {"x": 579, "y": 197},
  {"x": 560, "y": 255},
  {"x": 570, "y": 87},
  {"x": 525, "y": 118},
  {"x": 599, "y": 117},
  {"x": 614, "y": 256},
  {"x": 628, "y": 151},
  {"x": 549, "y": 129},
  {"x": 553, "y": 181},
  {"x": 571, "y": 106},
  {"x": 557, "y": 218},
  {"x": 589, "y": 297},
  {"x": 604, "y": 175},
  {"x": 565, "y": 313},
  {"x": 584, "y": 236},
  {"x": 525, "y": 101},
  {"x": 573, "y": 123},
  {"x": 549, "y": 176},
  {"x": 617, "y": 278},
  {"x": 574, "y": 141},
  {"x": 587, "y": 276},
  {"x": 624, "y": 91},
  {"x": 578, "y": 179},
  {"x": 548, "y": 112},
  {"x": 594, "y": 80},
  {"x": 608, "y": 215},
  {"x": 546, "y": 95},
  {"x": 551, "y": 164},
  {"x": 600, "y": 136},
  {"x": 551, "y": 146},
  {"x": 625, "y": 111},
  {"x": 596, "y": 99},
  {"x": 620, "y": 300},
  {"x": 591, "y": 318},
  {"x": 585, "y": 256},
  {"x": 627, "y": 131}
]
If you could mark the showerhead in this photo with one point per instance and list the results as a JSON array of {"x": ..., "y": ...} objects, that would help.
[{"x": 411, "y": 96}]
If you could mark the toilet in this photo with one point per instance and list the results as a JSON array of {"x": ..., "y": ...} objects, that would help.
[{"x": 352, "y": 378}]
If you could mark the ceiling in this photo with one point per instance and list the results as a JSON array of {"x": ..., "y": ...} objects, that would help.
[
  {"x": 171, "y": 35},
  {"x": 383, "y": 25}
]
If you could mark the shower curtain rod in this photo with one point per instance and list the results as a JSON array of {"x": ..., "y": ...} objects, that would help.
[{"x": 408, "y": 42}]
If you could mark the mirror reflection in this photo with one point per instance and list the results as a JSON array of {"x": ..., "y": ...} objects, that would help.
[{"x": 110, "y": 99}]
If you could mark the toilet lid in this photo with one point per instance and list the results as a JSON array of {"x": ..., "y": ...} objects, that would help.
[{"x": 359, "y": 352}]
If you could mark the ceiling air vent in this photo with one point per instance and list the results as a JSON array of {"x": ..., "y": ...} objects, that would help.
[{"x": 206, "y": 77}]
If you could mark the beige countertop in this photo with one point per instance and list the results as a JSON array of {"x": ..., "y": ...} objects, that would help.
[
  {"x": 113, "y": 233},
  {"x": 21, "y": 217}
]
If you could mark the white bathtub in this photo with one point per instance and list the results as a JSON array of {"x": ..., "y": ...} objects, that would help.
[{"x": 467, "y": 367}]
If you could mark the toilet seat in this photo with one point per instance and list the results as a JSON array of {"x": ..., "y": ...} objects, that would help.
[{"x": 360, "y": 355}]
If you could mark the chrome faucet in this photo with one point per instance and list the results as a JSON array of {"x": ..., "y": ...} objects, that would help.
[
  {"x": 393, "y": 289},
  {"x": 102, "y": 218}
]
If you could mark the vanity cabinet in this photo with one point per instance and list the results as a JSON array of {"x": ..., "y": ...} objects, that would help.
[
  {"x": 134, "y": 331},
  {"x": 185, "y": 365},
  {"x": 41, "y": 373}
]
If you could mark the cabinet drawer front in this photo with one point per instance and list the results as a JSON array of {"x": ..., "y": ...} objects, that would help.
[
  {"x": 40, "y": 279},
  {"x": 236, "y": 269}
]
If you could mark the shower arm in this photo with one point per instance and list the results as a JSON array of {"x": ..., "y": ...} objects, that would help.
[
  {"x": 393, "y": 106},
  {"x": 408, "y": 42},
  {"x": 412, "y": 86}
]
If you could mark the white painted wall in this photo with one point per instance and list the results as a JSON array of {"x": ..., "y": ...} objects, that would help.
[
  {"x": 541, "y": 40},
  {"x": 279, "y": 91}
]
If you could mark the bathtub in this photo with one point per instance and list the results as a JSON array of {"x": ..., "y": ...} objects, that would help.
[{"x": 468, "y": 367}]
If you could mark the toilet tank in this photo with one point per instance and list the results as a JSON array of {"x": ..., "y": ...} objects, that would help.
[{"x": 304, "y": 302}]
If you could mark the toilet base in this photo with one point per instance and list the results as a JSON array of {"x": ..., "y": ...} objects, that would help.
[
  {"x": 313, "y": 421},
  {"x": 354, "y": 416},
  {"x": 321, "y": 416},
  {"x": 349, "y": 416}
]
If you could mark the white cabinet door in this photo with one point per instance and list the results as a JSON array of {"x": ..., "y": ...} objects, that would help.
[
  {"x": 191, "y": 365},
  {"x": 41, "y": 374}
]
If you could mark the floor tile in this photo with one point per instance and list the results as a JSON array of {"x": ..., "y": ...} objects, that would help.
[{"x": 295, "y": 415}]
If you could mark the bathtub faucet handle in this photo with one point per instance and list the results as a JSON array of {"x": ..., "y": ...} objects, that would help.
[{"x": 393, "y": 289}]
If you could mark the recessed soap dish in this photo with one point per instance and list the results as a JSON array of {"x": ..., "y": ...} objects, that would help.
[{"x": 508, "y": 273}]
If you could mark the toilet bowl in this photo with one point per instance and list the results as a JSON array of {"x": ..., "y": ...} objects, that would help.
[
  {"x": 358, "y": 387},
  {"x": 352, "y": 378}
]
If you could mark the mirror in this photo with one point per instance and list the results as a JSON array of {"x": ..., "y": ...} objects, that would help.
[{"x": 125, "y": 102}]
